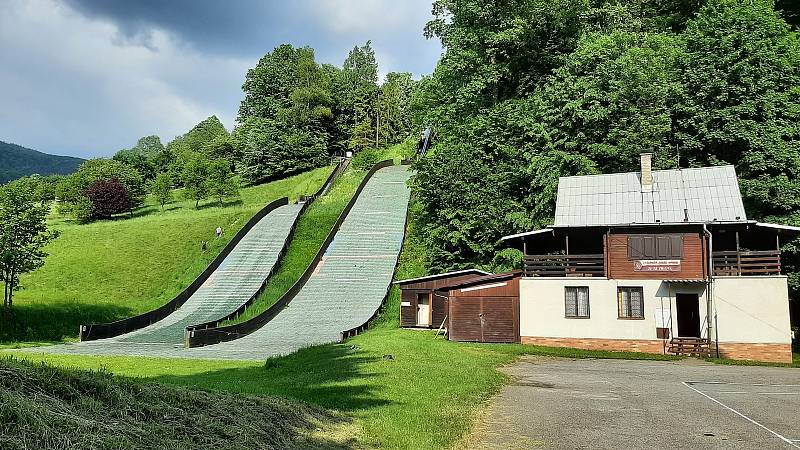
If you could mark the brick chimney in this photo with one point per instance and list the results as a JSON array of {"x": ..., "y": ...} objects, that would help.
[{"x": 647, "y": 171}]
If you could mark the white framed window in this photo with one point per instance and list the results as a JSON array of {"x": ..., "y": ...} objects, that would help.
[
  {"x": 576, "y": 302},
  {"x": 630, "y": 302}
]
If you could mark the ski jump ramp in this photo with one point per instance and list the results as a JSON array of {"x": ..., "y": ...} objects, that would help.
[{"x": 347, "y": 287}]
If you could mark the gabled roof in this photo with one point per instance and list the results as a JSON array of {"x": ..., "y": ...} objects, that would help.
[
  {"x": 707, "y": 194},
  {"x": 481, "y": 280},
  {"x": 475, "y": 272}
]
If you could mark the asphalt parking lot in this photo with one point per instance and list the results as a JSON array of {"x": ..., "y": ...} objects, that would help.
[{"x": 618, "y": 404}]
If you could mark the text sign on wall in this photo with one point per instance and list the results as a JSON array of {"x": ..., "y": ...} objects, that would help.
[{"x": 657, "y": 265}]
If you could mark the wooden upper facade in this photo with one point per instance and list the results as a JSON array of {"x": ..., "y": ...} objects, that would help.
[{"x": 668, "y": 251}]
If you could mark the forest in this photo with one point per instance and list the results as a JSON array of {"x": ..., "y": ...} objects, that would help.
[{"x": 527, "y": 91}]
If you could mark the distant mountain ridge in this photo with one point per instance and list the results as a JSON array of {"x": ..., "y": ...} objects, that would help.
[{"x": 17, "y": 161}]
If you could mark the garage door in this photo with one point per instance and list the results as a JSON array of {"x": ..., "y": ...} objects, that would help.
[{"x": 484, "y": 319}]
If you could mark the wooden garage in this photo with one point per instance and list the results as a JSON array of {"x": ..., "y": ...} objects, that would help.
[
  {"x": 483, "y": 309},
  {"x": 419, "y": 307}
]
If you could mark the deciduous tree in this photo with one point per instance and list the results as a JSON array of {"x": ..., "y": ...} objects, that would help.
[{"x": 23, "y": 235}]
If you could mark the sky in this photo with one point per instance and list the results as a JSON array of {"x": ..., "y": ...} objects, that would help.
[{"x": 89, "y": 77}]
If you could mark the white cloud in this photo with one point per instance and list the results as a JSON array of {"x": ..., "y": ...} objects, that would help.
[{"x": 73, "y": 85}]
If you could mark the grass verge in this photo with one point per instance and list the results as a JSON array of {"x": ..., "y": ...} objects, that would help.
[
  {"x": 738, "y": 362},
  {"x": 109, "y": 270}
]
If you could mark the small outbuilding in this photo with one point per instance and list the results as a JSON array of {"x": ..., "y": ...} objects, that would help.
[
  {"x": 483, "y": 309},
  {"x": 419, "y": 307},
  {"x": 470, "y": 305}
]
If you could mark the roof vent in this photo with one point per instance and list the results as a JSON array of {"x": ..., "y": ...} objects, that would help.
[
  {"x": 686, "y": 214},
  {"x": 647, "y": 170}
]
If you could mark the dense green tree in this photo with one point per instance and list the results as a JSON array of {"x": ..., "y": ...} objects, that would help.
[
  {"x": 197, "y": 140},
  {"x": 162, "y": 188},
  {"x": 742, "y": 69},
  {"x": 272, "y": 148},
  {"x": 195, "y": 179},
  {"x": 356, "y": 93},
  {"x": 221, "y": 182},
  {"x": 71, "y": 191},
  {"x": 23, "y": 235},
  {"x": 145, "y": 156},
  {"x": 269, "y": 85},
  {"x": 393, "y": 112}
]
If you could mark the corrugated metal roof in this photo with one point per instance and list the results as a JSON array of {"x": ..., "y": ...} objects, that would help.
[{"x": 707, "y": 193}]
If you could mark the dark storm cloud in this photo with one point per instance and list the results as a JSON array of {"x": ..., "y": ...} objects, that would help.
[
  {"x": 89, "y": 77},
  {"x": 249, "y": 28}
]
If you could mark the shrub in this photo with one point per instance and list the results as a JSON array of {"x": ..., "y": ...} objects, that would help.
[
  {"x": 108, "y": 197},
  {"x": 365, "y": 159}
]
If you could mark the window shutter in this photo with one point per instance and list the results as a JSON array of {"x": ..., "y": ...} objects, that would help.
[
  {"x": 649, "y": 247},
  {"x": 677, "y": 246},
  {"x": 635, "y": 247},
  {"x": 664, "y": 247}
]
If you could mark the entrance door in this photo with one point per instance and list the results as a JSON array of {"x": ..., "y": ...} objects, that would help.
[
  {"x": 688, "y": 315},
  {"x": 423, "y": 310}
]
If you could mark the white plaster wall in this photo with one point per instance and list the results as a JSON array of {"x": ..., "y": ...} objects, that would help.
[
  {"x": 542, "y": 308},
  {"x": 752, "y": 309}
]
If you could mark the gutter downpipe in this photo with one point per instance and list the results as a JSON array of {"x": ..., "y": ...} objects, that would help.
[{"x": 710, "y": 292}]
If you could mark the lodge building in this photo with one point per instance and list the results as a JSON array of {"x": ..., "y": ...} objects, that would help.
[{"x": 662, "y": 261}]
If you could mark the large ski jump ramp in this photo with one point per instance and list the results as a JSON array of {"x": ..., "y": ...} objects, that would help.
[
  {"x": 238, "y": 277},
  {"x": 345, "y": 290}
]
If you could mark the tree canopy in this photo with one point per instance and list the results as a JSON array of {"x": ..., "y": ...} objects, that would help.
[{"x": 530, "y": 90}]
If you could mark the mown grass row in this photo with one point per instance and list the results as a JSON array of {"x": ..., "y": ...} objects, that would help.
[{"x": 45, "y": 407}]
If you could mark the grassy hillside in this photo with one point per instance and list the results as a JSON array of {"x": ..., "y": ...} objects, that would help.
[
  {"x": 44, "y": 407},
  {"x": 114, "y": 269},
  {"x": 17, "y": 161}
]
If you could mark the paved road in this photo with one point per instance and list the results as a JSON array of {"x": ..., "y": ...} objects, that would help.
[
  {"x": 617, "y": 404},
  {"x": 346, "y": 289}
]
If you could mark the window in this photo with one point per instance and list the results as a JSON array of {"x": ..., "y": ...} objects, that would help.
[
  {"x": 630, "y": 303},
  {"x": 664, "y": 246},
  {"x": 576, "y": 302}
]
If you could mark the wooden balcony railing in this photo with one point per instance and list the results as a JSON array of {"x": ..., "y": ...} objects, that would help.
[
  {"x": 747, "y": 263},
  {"x": 563, "y": 266}
]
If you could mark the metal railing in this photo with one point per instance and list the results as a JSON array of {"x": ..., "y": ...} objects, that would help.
[
  {"x": 563, "y": 265},
  {"x": 746, "y": 263}
]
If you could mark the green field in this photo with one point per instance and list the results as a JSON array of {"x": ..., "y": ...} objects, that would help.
[{"x": 113, "y": 269}]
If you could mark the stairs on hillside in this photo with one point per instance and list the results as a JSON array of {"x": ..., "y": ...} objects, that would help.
[{"x": 691, "y": 346}]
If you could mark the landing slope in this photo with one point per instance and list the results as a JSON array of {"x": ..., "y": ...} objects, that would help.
[
  {"x": 237, "y": 279},
  {"x": 350, "y": 282}
]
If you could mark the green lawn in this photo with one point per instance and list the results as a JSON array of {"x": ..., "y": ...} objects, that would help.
[
  {"x": 426, "y": 396},
  {"x": 114, "y": 269}
]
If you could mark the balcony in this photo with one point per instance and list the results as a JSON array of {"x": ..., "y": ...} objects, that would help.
[
  {"x": 563, "y": 265},
  {"x": 746, "y": 263}
]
